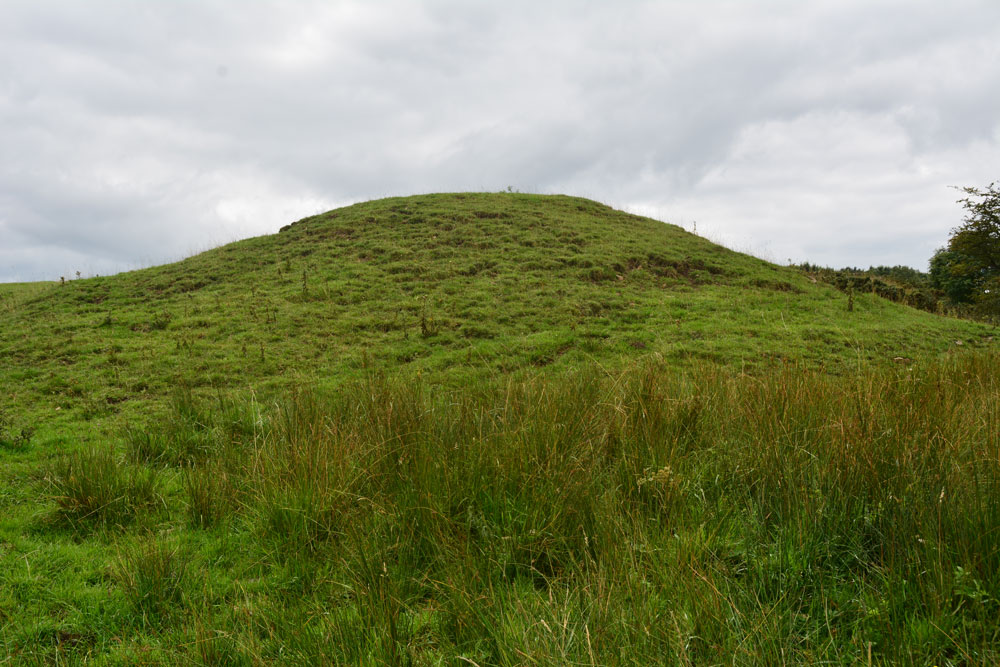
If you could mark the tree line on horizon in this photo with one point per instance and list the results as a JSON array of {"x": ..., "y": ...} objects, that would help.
[{"x": 963, "y": 277}]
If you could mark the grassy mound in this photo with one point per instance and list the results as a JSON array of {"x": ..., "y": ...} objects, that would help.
[
  {"x": 453, "y": 286},
  {"x": 498, "y": 429}
]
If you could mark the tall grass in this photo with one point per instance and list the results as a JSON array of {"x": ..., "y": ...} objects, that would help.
[
  {"x": 694, "y": 517},
  {"x": 92, "y": 487},
  {"x": 152, "y": 577}
]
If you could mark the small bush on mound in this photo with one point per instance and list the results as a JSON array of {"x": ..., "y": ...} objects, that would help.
[{"x": 91, "y": 486}]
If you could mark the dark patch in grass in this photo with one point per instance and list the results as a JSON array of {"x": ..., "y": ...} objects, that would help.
[
  {"x": 777, "y": 286},
  {"x": 684, "y": 268},
  {"x": 473, "y": 331},
  {"x": 14, "y": 437}
]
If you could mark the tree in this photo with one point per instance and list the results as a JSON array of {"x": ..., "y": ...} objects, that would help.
[
  {"x": 968, "y": 268},
  {"x": 950, "y": 273}
]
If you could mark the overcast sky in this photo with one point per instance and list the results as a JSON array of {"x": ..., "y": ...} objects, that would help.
[{"x": 133, "y": 133}]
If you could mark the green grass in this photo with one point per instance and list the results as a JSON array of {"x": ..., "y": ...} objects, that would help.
[
  {"x": 691, "y": 516},
  {"x": 509, "y": 429},
  {"x": 458, "y": 287}
]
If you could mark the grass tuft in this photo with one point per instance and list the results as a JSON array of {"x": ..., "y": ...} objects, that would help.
[
  {"x": 91, "y": 487},
  {"x": 153, "y": 575}
]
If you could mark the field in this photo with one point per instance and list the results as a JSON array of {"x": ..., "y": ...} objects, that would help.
[{"x": 492, "y": 429}]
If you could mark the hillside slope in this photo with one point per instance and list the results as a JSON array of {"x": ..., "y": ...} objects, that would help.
[
  {"x": 491, "y": 429},
  {"x": 448, "y": 285}
]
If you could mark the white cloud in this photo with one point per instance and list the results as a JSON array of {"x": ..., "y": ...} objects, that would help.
[
  {"x": 834, "y": 188},
  {"x": 823, "y": 131}
]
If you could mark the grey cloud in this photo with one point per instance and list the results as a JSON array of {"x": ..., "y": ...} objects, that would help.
[{"x": 143, "y": 130}]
